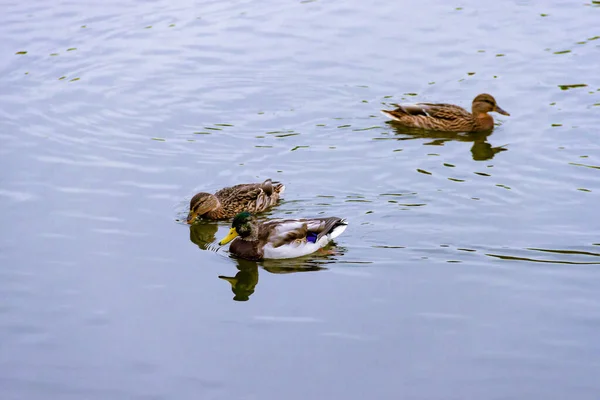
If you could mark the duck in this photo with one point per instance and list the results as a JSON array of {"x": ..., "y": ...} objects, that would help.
[
  {"x": 280, "y": 238},
  {"x": 229, "y": 201},
  {"x": 448, "y": 117}
]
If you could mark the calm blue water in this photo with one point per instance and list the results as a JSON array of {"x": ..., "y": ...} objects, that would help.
[{"x": 470, "y": 269}]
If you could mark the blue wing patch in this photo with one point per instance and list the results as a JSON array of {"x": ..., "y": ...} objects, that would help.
[{"x": 311, "y": 237}]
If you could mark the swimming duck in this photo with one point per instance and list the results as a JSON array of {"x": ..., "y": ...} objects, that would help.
[
  {"x": 448, "y": 117},
  {"x": 227, "y": 202},
  {"x": 283, "y": 238}
]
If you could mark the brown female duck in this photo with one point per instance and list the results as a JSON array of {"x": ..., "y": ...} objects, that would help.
[
  {"x": 448, "y": 117},
  {"x": 282, "y": 238},
  {"x": 227, "y": 202}
]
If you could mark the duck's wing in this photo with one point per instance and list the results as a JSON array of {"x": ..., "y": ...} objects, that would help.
[
  {"x": 297, "y": 237},
  {"x": 242, "y": 190},
  {"x": 332, "y": 226},
  {"x": 254, "y": 197},
  {"x": 432, "y": 110},
  {"x": 283, "y": 232}
]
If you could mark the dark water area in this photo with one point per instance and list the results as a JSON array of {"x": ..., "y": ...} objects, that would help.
[{"x": 469, "y": 270}]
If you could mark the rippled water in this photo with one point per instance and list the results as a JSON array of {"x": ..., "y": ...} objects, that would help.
[{"x": 470, "y": 266}]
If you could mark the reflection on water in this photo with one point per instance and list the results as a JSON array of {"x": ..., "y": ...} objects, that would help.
[
  {"x": 203, "y": 234},
  {"x": 477, "y": 275},
  {"x": 245, "y": 280},
  {"x": 481, "y": 149}
]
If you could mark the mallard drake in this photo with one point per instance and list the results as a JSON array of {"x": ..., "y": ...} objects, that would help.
[
  {"x": 283, "y": 238},
  {"x": 448, "y": 117},
  {"x": 227, "y": 202}
]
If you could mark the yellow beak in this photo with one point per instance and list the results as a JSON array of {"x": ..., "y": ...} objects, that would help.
[{"x": 230, "y": 236}]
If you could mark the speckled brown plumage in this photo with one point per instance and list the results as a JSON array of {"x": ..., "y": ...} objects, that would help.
[
  {"x": 227, "y": 202},
  {"x": 448, "y": 117}
]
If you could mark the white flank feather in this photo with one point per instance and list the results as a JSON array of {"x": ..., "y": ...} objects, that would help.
[{"x": 292, "y": 250}]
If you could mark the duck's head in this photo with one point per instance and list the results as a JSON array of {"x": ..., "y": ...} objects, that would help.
[
  {"x": 242, "y": 226},
  {"x": 200, "y": 204},
  {"x": 485, "y": 103}
]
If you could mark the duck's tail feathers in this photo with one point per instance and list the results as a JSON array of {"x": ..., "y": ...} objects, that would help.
[
  {"x": 269, "y": 186},
  {"x": 279, "y": 187},
  {"x": 338, "y": 228}
]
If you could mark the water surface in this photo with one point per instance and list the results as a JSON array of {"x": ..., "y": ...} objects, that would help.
[{"x": 470, "y": 266}]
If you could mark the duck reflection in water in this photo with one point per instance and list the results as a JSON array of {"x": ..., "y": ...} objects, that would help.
[
  {"x": 245, "y": 280},
  {"x": 203, "y": 234},
  {"x": 481, "y": 150}
]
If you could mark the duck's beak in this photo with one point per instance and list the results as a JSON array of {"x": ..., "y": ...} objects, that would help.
[
  {"x": 230, "y": 236},
  {"x": 499, "y": 110},
  {"x": 191, "y": 218}
]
